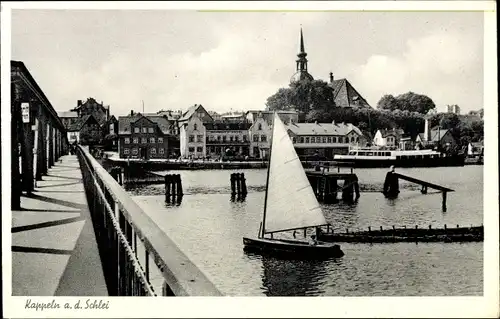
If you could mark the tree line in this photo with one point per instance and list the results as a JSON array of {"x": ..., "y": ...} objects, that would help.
[{"x": 314, "y": 101}]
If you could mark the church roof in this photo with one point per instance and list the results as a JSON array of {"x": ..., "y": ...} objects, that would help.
[
  {"x": 301, "y": 76},
  {"x": 345, "y": 95}
]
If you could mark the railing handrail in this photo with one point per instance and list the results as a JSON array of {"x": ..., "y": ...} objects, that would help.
[{"x": 182, "y": 276}]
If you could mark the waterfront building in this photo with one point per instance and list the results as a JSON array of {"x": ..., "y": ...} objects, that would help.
[
  {"x": 389, "y": 138},
  {"x": 324, "y": 139},
  {"x": 192, "y": 132},
  {"x": 260, "y": 135},
  {"x": 227, "y": 138},
  {"x": 146, "y": 137},
  {"x": 475, "y": 149}
]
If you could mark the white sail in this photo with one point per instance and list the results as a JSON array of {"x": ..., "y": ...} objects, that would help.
[{"x": 291, "y": 202}]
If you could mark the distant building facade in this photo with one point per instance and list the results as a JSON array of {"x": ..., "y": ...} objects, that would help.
[
  {"x": 388, "y": 138},
  {"x": 455, "y": 109},
  {"x": 91, "y": 106}
]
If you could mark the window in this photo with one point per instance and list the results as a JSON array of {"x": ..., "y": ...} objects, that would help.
[
  {"x": 260, "y": 127},
  {"x": 161, "y": 151},
  {"x": 324, "y": 139},
  {"x": 301, "y": 139},
  {"x": 153, "y": 150},
  {"x": 231, "y": 138},
  {"x": 160, "y": 139},
  {"x": 294, "y": 140},
  {"x": 126, "y": 151},
  {"x": 144, "y": 140},
  {"x": 195, "y": 126},
  {"x": 218, "y": 137},
  {"x": 352, "y": 139},
  {"x": 307, "y": 139},
  {"x": 136, "y": 140},
  {"x": 191, "y": 149},
  {"x": 134, "y": 151},
  {"x": 236, "y": 138},
  {"x": 223, "y": 138},
  {"x": 263, "y": 138},
  {"x": 151, "y": 130},
  {"x": 199, "y": 149},
  {"x": 137, "y": 130},
  {"x": 191, "y": 138},
  {"x": 334, "y": 139},
  {"x": 200, "y": 138},
  {"x": 152, "y": 140},
  {"x": 244, "y": 138},
  {"x": 127, "y": 140},
  {"x": 329, "y": 139},
  {"x": 256, "y": 138}
]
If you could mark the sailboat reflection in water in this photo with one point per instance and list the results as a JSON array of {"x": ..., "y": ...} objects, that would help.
[{"x": 289, "y": 204}]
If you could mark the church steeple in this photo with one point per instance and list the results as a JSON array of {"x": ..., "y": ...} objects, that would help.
[
  {"x": 301, "y": 68},
  {"x": 302, "y": 61}
]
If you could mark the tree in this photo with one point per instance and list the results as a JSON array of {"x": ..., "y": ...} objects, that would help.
[
  {"x": 415, "y": 102},
  {"x": 302, "y": 96},
  {"x": 449, "y": 121},
  {"x": 387, "y": 102},
  {"x": 410, "y": 101}
]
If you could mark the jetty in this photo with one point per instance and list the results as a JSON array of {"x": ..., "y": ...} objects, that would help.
[
  {"x": 325, "y": 183},
  {"x": 406, "y": 234}
]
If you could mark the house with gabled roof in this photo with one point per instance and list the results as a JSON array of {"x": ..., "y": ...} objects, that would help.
[
  {"x": 146, "y": 137},
  {"x": 390, "y": 138},
  {"x": 85, "y": 130}
]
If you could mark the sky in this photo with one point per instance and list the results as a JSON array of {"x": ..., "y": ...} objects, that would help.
[{"x": 236, "y": 60}]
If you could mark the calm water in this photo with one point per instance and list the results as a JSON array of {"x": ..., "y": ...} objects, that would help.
[{"x": 209, "y": 228}]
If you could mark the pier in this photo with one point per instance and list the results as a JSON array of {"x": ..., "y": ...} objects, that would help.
[
  {"x": 391, "y": 186},
  {"x": 406, "y": 234},
  {"x": 325, "y": 184}
]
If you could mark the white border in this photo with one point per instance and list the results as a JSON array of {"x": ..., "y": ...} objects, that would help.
[{"x": 434, "y": 307}]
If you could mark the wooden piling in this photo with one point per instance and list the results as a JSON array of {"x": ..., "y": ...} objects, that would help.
[
  {"x": 179, "y": 185},
  {"x": 444, "y": 202},
  {"x": 243, "y": 184},
  {"x": 233, "y": 184}
]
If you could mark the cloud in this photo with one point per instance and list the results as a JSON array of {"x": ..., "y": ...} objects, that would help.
[
  {"x": 442, "y": 65},
  {"x": 172, "y": 60}
]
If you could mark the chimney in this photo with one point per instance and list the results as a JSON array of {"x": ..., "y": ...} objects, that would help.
[
  {"x": 131, "y": 112},
  {"x": 427, "y": 130},
  {"x": 79, "y": 102},
  {"x": 333, "y": 122},
  {"x": 331, "y": 77}
]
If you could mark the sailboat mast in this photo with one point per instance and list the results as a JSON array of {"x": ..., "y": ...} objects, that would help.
[{"x": 267, "y": 178}]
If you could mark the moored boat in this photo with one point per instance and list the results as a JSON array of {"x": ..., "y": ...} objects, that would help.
[
  {"x": 289, "y": 205},
  {"x": 369, "y": 157}
]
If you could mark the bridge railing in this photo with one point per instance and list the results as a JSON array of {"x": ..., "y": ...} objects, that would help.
[{"x": 138, "y": 258}]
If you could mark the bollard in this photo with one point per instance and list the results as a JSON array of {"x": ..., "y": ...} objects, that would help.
[
  {"x": 356, "y": 190},
  {"x": 167, "y": 188},
  {"x": 238, "y": 183}
]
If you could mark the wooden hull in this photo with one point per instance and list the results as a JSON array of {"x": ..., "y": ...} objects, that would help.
[
  {"x": 292, "y": 248},
  {"x": 382, "y": 163}
]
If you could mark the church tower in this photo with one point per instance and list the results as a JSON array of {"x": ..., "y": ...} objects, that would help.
[{"x": 301, "y": 71}]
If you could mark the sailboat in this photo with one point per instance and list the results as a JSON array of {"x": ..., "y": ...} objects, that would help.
[{"x": 289, "y": 204}]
